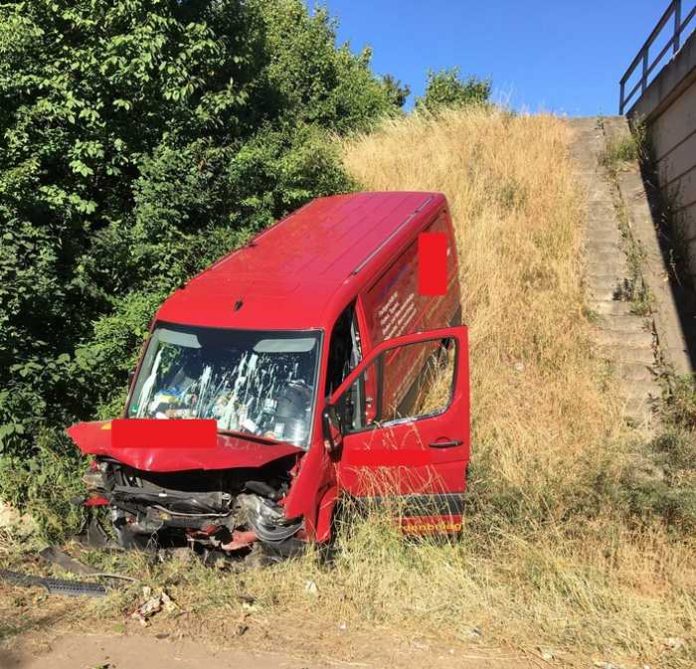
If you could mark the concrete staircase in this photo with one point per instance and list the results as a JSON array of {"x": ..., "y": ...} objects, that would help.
[{"x": 624, "y": 338}]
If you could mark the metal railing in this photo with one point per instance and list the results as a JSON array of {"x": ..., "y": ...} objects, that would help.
[{"x": 680, "y": 30}]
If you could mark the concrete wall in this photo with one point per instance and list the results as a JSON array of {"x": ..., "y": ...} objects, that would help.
[{"x": 669, "y": 108}]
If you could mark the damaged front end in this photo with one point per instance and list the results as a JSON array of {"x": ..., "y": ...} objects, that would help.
[
  {"x": 230, "y": 509},
  {"x": 215, "y": 421},
  {"x": 224, "y": 510}
]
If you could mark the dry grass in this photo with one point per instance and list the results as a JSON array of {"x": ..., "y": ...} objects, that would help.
[
  {"x": 539, "y": 410},
  {"x": 550, "y": 555}
]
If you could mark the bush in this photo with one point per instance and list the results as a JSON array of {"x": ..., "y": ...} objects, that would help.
[
  {"x": 140, "y": 140},
  {"x": 447, "y": 89}
]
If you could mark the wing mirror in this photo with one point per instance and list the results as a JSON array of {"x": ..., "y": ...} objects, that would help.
[{"x": 333, "y": 428}]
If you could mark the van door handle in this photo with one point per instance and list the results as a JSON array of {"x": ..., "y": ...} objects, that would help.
[{"x": 446, "y": 444}]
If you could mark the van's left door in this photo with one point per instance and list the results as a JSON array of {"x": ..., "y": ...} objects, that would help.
[{"x": 412, "y": 449}]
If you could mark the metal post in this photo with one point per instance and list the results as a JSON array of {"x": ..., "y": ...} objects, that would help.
[
  {"x": 621, "y": 97},
  {"x": 677, "y": 25},
  {"x": 644, "y": 76}
]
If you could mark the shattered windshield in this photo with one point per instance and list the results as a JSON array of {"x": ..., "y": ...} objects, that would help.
[{"x": 259, "y": 383}]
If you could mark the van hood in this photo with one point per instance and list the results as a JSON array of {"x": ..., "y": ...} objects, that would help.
[{"x": 227, "y": 452}]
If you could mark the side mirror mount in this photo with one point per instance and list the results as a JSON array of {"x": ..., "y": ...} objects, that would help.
[{"x": 333, "y": 428}]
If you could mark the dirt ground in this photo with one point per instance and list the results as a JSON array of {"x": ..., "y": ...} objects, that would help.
[
  {"x": 121, "y": 651},
  {"x": 37, "y": 630}
]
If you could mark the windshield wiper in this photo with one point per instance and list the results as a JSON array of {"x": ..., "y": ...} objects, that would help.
[{"x": 249, "y": 435}]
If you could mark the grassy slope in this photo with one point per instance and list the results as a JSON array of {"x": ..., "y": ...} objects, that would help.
[
  {"x": 550, "y": 552},
  {"x": 550, "y": 555}
]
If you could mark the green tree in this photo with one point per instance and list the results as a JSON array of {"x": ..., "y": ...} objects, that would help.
[
  {"x": 396, "y": 91},
  {"x": 318, "y": 82},
  {"x": 139, "y": 139},
  {"x": 446, "y": 88}
]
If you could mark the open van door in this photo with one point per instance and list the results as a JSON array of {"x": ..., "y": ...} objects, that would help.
[{"x": 408, "y": 445}]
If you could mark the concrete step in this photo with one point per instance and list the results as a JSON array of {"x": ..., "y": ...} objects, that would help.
[
  {"x": 606, "y": 262},
  {"x": 603, "y": 292},
  {"x": 619, "y": 354},
  {"x": 594, "y": 248},
  {"x": 597, "y": 197},
  {"x": 609, "y": 307},
  {"x": 634, "y": 372},
  {"x": 638, "y": 411},
  {"x": 601, "y": 222},
  {"x": 603, "y": 236},
  {"x": 623, "y": 323},
  {"x": 604, "y": 280},
  {"x": 640, "y": 391},
  {"x": 640, "y": 339},
  {"x": 601, "y": 209}
]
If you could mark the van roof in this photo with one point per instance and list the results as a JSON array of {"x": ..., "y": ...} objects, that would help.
[{"x": 287, "y": 276}]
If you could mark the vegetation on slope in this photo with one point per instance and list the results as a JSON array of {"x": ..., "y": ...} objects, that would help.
[
  {"x": 137, "y": 141},
  {"x": 561, "y": 542},
  {"x": 557, "y": 550}
]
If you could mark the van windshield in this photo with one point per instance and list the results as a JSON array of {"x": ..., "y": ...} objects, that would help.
[{"x": 253, "y": 382}]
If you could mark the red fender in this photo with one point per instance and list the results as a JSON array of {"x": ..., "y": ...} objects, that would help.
[{"x": 325, "y": 515}]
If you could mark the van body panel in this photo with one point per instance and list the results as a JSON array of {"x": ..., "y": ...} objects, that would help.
[
  {"x": 406, "y": 457},
  {"x": 286, "y": 276},
  {"x": 392, "y": 304}
]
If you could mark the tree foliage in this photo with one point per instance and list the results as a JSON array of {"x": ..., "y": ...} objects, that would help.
[
  {"x": 396, "y": 91},
  {"x": 139, "y": 139},
  {"x": 446, "y": 88}
]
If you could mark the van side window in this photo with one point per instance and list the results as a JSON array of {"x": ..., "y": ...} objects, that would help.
[
  {"x": 344, "y": 349},
  {"x": 411, "y": 381}
]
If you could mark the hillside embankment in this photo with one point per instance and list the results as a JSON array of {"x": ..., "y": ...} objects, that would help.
[{"x": 570, "y": 553}]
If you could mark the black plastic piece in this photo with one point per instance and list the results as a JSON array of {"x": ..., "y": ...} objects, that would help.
[{"x": 55, "y": 586}]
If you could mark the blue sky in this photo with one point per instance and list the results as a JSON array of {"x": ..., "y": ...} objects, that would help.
[{"x": 564, "y": 56}]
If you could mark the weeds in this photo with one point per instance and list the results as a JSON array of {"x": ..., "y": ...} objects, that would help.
[
  {"x": 626, "y": 149},
  {"x": 634, "y": 288}
]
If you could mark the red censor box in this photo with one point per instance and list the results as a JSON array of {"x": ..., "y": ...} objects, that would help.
[
  {"x": 432, "y": 263},
  {"x": 153, "y": 433}
]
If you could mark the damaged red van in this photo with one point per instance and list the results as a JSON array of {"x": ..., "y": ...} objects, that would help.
[{"x": 310, "y": 367}]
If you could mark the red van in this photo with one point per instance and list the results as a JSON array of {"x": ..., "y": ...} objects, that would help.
[{"x": 313, "y": 368}]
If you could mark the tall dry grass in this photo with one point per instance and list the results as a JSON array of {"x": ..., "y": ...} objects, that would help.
[
  {"x": 542, "y": 410},
  {"x": 550, "y": 553}
]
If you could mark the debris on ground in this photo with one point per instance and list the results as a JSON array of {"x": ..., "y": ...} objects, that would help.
[
  {"x": 92, "y": 534},
  {"x": 311, "y": 588},
  {"x": 547, "y": 654},
  {"x": 20, "y": 526},
  {"x": 54, "y": 586},
  {"x": 674, "y": 643},
  {"x": 474, "y": 634},
  {"x": 56, "y": 556},
  {"x": 153, "y": 604}
]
